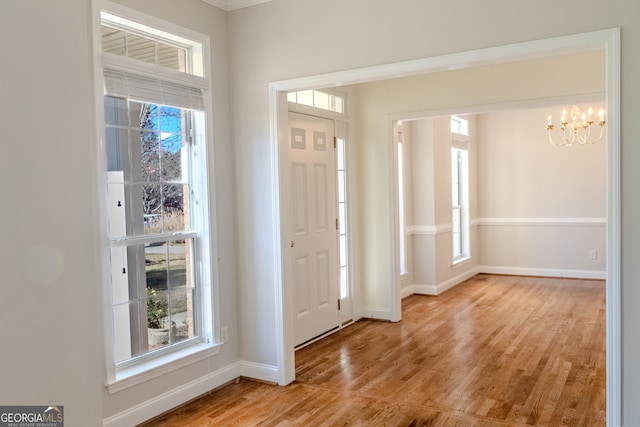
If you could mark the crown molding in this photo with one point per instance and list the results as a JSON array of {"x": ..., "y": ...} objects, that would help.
[{"x": 230, "y": 5}]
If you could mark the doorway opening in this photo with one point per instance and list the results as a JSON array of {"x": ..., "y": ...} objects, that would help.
[{"x": 378, "y": 295}]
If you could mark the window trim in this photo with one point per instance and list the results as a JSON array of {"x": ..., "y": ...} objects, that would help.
[{"x": 206, "y": 271}]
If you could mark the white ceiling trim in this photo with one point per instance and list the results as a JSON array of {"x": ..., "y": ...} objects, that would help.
[{"x": 230, "y": 5}]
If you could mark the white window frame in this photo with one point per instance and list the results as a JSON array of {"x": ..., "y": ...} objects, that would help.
[{"x": 159, "y": 363}]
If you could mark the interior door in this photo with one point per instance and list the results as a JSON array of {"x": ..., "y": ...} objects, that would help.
[{"x": 314, "y": 226}]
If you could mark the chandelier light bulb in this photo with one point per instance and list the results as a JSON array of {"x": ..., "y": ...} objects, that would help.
[{"x": 578, "y": 130}]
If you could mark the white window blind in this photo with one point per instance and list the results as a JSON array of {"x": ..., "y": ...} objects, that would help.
[{"x": 149, "y": 89}]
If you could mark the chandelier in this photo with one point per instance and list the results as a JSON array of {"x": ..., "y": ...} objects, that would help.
[{"x": 578, "y": 130}]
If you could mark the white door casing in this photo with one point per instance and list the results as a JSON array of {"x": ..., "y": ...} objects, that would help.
[{"x": 312, "y": 201}]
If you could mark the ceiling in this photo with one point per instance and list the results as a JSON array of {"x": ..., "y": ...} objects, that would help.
[{"x": 230, "y": 5}]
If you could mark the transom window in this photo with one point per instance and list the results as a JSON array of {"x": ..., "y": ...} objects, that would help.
[
  {"x": 318, "y": 99},
  {"x": 459, "y": 125},
  {"x": 123, "y": 37}
]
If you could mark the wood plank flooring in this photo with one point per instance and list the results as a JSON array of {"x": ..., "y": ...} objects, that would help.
[{"x": 493, "y": 351}]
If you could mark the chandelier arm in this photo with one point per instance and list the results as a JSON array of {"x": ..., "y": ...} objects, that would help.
[
  {"x": 578, "y": 130},
  {"x": 563, "y": 143}
]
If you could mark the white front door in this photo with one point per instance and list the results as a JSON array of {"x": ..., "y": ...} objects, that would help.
[{"x": 313, "y": 226}]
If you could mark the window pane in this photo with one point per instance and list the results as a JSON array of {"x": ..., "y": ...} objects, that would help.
[
  {"x": 344, "y": 286},
  {"x": 305, "y": 97},
  {"x": 171, "y": 157},
  {"x": 150, "y": 156},
  {"x": 179, "y": 267},
  {"x": 173, "y": 211},
  {"x": 341, "y": 186},
  {"x": 456, "y": 220},
  {"x": 170, "y": 119},
  {"x": 159, "y": 329},
  {"x": 182, "y": 315},
  {"x": 113, "y": 41},
  {"x": 172, "y": 57},
  {"x": 147, "y": 214},
  {"x": 291, "y": 97},
  {"x": 335, "y": 104},
  {"x": 343, "y": 250},
  {"x": 149, "y": 115},
  {"x": 457, "y": 247},
  {"x": 320, "y": 100},
  {"x": 340, "y": 148},
  {"x": 156, "y": 266},
  {"x": 141, "y": 48},
  {"x": 455, "y": 195},
  {"x": 342, "y": 215}
]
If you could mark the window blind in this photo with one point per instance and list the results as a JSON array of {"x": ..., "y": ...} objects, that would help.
[
  {"x": 460, "y": 142},
  {"x": 153, "y": 90}
]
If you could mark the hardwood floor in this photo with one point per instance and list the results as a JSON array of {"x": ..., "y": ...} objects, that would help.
[{"x": 493, "y": 351}]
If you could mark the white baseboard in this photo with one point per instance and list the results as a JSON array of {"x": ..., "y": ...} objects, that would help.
[
  {"x": 376, "y": 313},
  {"x": 440, "y": 287},
  {"x": 544, "y": 272},
  {"x": 179, "y": 395},
  {"x": 422, "y": 289},
  {"x": 259, "y": 371}
]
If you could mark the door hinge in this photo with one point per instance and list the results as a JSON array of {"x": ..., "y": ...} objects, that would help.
[
  {"x": 335, "y": 142},
  {"x": 337, "y": 224},
  {"x": 338, "y": 304}
]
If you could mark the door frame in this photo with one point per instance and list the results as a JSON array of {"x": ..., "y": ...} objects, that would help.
[{"x": 607, "y": 40}]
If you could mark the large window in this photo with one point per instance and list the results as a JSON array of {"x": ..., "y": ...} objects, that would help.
[
  {"x": 460, "y": 188},
  {"x": 154, "y": 141}
]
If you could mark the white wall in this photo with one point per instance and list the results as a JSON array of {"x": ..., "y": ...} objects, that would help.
[
  {"x": 284, "y": 39},
  {"x": 48, "y": 256}
]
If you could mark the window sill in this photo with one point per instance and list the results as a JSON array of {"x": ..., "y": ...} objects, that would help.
[
  {"x": 150, "y": 369},
  {"x": 460, "y": 260}
]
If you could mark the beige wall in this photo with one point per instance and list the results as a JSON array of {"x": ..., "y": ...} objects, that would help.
[
  {"x": 523, "y": 176},
  {"x": 537, "y": 201},
  {"x": 470, "y": 90}
]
